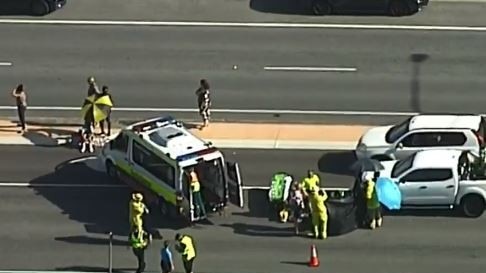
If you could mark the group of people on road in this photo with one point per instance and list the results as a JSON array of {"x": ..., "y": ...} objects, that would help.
[
  {"x": 296, "y": 200},
  {"x": 140, "y": 239}
]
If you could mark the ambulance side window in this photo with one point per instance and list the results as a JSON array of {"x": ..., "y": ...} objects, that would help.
[
  {"x": 153, "y": 164},
  {"x": 120, "y": 143}
]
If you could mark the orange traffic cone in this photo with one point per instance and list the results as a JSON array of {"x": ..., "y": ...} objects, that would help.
[{"x": 314, "y": 260}]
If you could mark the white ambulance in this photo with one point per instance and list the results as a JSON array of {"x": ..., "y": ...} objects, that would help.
[{"x": 157, "y": 154}]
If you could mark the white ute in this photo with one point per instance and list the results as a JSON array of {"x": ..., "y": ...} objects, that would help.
[{"x": 440, "y": 179}]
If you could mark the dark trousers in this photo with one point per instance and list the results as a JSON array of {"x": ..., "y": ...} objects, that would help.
[
  {"x": 199, "y": 204},
  {"x": 188, "y": 264},
  {"x": 140, "y": 254},
  {"x": 108, "y": 123},
  {"x": 21, "y": 111}
]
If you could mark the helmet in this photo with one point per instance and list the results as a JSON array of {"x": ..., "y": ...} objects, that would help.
[
  {"x": 91, "y": 79},
  {"x": 137, "y": 197}
]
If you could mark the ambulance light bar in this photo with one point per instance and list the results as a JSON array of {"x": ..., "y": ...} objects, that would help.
[
  {"x": 153, "y": 124},
  {"x": 196, "y": 154}
]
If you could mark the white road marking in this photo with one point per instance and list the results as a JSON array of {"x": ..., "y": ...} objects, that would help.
[
  {"x": 52, "y": 185},
  {"x": 310, "y": 69},
  {"x": 245, "y": 24},
  {"x": 5, "y": 64},
  {"x": 225, "y": 111},
  {"x": 82, "y": 159}
]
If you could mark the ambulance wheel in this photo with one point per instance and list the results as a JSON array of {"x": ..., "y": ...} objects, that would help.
[
  {"x": 473, "y": 205},
  {"x": 111, "y": 170}
]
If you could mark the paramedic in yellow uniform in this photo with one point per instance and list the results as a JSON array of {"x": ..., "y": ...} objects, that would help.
[
  {"x": 319, "y": 213},
  {"x": 136, "y": 210},
  {"x": 373, "y": 204},
  {"x": 311, "y": 182}
]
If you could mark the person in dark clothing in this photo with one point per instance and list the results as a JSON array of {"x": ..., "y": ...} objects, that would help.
[
  {"x": 105, "y": 92},
  {"x": 93, "y": 87},
  {"x": 21, "y": 101},
  {"x": 140, "y": 240},
  {"x": 166, "y": 261},
  {"x": 204, "y": 101}
]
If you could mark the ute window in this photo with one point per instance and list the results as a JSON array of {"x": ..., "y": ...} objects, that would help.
[
  {"x": 402, "y": 166},
  {"x": 397, "y": 131}
]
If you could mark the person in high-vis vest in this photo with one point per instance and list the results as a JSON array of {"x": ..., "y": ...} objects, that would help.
[
  {"x": 139, "y": 240},
  {"x": 311, "y": 182},
  {"x": 319, "y": 216},
  {"x": 188, "y": 251},
  {"x": 196, "y": 194},
  {"x": 373, "y": 204},
  {"x": 136, "y": 210}
]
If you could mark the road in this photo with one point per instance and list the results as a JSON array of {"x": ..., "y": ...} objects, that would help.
[
  {"x": 61, "y": 228},
  {"x": 439, "y": 12},
  {"x": 160, "y": 67}
]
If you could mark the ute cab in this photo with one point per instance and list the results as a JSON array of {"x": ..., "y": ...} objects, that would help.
[{"x": 157, "y": 155}]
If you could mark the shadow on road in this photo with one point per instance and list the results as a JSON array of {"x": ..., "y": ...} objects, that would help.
[
  {"x": 417, "y": 60},
  {"x": 337, "y": 162},
  {"x": 261, "y": 230},
  {"x": 257, "y": 203},
  {"x": 295, "y": 263},
  {"x": 93, "y": 269},
  {"x": 83, "y": 239}
]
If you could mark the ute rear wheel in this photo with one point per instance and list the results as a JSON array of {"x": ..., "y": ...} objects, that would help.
[{"x": 473, "y": 205}]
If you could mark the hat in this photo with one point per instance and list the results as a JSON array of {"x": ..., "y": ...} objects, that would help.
[{"x": 137, "y": 197}]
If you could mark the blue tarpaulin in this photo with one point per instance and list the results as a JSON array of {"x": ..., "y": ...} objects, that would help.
[{"x": 388, "y": 193}]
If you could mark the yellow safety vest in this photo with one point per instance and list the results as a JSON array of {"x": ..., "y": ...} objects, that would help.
[
  {"x": 138, "y": 240},
  {"x": 195, "y": 185},
  {"x": 317, "y": 203},
  {"x": 371, "y": 196},
  {"x": 189, "y": 251},
  {"x": 311, "y": 183}
]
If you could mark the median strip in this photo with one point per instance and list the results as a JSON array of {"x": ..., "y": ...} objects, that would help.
[{"x": 222, "y": 135}]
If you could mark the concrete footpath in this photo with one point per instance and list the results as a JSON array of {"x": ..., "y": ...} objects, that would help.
[{"x": 223, "y": 135}]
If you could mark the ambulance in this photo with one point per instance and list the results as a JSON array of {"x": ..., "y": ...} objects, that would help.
[{"x": 157, "y": 155}]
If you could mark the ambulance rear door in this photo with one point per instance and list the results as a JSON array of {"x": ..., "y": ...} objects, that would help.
[{"x": 235, "y": 186}]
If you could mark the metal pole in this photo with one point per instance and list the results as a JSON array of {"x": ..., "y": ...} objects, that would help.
[{"x": 110, "y": 253}]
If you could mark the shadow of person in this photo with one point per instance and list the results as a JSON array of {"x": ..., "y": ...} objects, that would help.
[{"x": 261, "y": 230}]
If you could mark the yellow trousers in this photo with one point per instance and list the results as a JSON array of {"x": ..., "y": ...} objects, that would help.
[{"x": 319, "y": 222}]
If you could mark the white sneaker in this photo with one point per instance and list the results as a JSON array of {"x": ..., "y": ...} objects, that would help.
[
  {"x": 91, "y": 148},
  {"x": 83, "y": 148}
]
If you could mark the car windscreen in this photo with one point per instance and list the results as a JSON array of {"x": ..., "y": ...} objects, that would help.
[
  {"x": 402, "y": 166},
  {"x": 397, "y": 131}
]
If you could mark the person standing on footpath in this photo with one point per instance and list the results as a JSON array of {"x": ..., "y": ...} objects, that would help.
[
  {"x": 140, "y": 239},
  {"x": 204, "y": 102},
  {"x": 21, "y": 101},
  {"x": 105, "y": 92},
  {"x": 188, "y": 251},
  {"x": 166, "y": 262},
  {"x": 93, "y": 87}
]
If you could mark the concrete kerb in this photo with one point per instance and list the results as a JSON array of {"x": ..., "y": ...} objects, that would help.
[{"x": 223, "y": 135}]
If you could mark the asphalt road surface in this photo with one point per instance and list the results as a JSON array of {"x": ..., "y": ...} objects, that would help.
[
  {"x": 446, "y": 12},
  {"x": 62, "y": 229},
  {"x": 160, "y": 67}
]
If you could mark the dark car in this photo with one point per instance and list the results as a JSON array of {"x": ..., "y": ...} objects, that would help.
[
  {"x": 30, "y": 7},
  {"x": 390, "y": 7}
]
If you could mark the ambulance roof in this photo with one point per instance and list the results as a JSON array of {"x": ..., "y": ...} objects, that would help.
[{"x": 170, "y": 137}]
